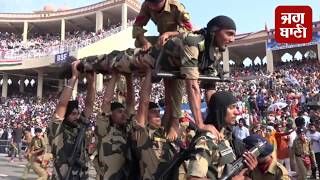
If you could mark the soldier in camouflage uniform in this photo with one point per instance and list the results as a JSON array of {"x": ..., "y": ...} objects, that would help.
[
  {"x": 304, "y": 154},
  {"x": 112, "y": 133},
  {"x": 149, "y": 136},
  {"x": 64, "y": 128},
  {"x": 37, "y": 150},
  {"x": 219, "y": 33},
  {"x": 187, "y": 53},
  {"x": 212, "y": 153},
  {"x": 171, "y": 19}
]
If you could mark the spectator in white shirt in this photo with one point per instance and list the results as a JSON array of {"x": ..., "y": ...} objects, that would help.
[
  {"x": 240, "y": 131},
  {"x": 314, "y": 136},
  {"x": 293, "y": 136}
]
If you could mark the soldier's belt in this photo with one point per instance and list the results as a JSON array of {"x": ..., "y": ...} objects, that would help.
[{"x": 177, "y": 75}]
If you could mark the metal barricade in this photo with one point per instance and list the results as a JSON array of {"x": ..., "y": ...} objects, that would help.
[{"x": 5, "y": 146}]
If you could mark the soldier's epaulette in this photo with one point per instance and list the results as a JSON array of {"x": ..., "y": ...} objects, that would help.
[
  {"x": 193, "y": 40},
  {"x": 201, "y": 46},
  {"x": 159, "y": 139},
  {"x": 210, "y": 135},
  {"x": 175, "y": 3}
]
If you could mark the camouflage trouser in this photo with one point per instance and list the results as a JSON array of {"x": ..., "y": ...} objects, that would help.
[
  {"x": 103, "y": 174},
  {"x": 63, "y": 169},
  {"x": 210, "y": 71}
]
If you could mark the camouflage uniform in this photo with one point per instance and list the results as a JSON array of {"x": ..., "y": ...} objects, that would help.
[
  {"x": 173, "y": 18},
  {"x": 153, "y": 150},
  {"x": 276, "y": 171},
  {"x": 112, "y": 147},
  {"x": 209, "y": 67},
  {"x": 62, "y": 139},
  {"x": 181, "y": 54},
  {"x": 302, "y": 149},
  {"x": 36, "y": 161},
  {"x": 210, "y": 158}
]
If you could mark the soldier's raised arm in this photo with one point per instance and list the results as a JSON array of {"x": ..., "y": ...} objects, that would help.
[
  {"x": 108, "y": 93},
  {"x": 67, "y": 92},
  {"x": 130, "y": 101},
  {"x": 138, "y": 31},
  {"x": 91, "y": 92},
  {"x": 103, "y": 119},
  {"x": 144, "y": 100}
]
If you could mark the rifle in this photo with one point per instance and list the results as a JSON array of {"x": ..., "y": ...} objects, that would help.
[
  {"x": 177, "y": 75},
  {"x": 171, "y": 170},
  {"x": 74, "y": 161},
  {"x": 237, "y": 166}
]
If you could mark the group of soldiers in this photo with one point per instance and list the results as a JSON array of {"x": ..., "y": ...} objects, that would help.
[
  {"x": 37, "y": 153},
  {"x": 140, "y": 144}
]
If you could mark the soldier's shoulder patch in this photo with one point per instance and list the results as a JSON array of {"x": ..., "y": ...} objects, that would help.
[
  {"x": 185, "y": 16},
  {"x": 201, "y": 142},
  {"x": 201, "y": 46},
  {"x": 283, "y": 170},
  {"x": 210, "y": 135},
  {"x": 193, "y": 39}
]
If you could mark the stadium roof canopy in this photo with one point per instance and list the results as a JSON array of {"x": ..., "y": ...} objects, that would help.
[
  {"x": 82, "y": 18},
  {"x": 254, "y": 45}
]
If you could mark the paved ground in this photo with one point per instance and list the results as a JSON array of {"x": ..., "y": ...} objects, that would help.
[{"x": 14, "y": 170}]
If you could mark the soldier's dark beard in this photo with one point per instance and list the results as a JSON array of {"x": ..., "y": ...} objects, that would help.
[
  {"x": 214, "y": 44},
  {"x": 70, "y": 124}
]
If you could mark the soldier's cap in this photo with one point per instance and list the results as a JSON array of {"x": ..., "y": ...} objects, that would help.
[
  {"x": 221, "y": 22},
  {"x": 116, "y": 105},
  {"x": 154, "y": 1},
  {"x": 253, "y": 139},
  {"x": 300, "y": 130},
  {"x": 153, "y": 105},
  {"x": 38, "y": 130}
]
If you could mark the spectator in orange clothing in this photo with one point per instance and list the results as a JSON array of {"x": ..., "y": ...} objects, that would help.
[
  {"x": 294, "y": 109},
  {"x": 270, "y": 136},
  {"x": 282, "y": 139}
]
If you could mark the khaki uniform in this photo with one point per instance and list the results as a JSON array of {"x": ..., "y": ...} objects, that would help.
[
  {"x": 301, "y": 149},
  {"x": 153, "y": 149},
  {"x": 173, "y": 18},
  {"x": 276, "y": 171},
  {"x": 112, "y": 147},
  {"x": 36, "y": 161},
  {"x": 62, "y": 139},
  {"x": 209, "y": 153},
  {"x": 28, "y": 139}
]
